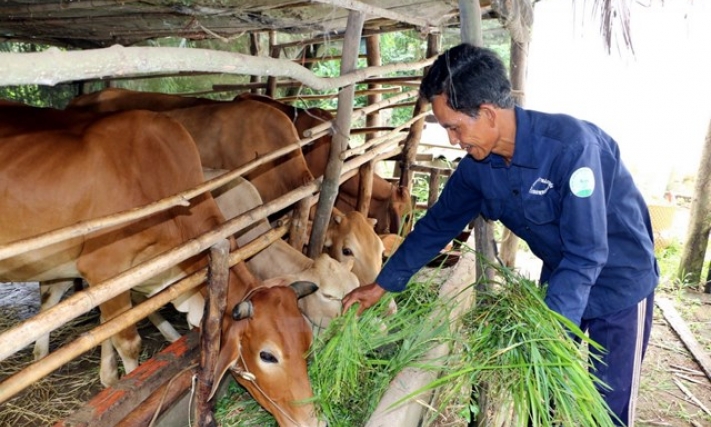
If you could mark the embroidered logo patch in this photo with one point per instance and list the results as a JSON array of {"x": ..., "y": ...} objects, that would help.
[
  {"x": 582, "y": 182},
  {"x": 540, "y": 186}
]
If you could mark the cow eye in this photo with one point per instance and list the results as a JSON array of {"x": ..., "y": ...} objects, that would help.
[
  {"x": 347, "y": 252},
  {"x": 267, "y": 357}
]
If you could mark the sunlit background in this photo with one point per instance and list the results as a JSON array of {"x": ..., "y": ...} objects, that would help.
[{"x": 655, "y": 101}]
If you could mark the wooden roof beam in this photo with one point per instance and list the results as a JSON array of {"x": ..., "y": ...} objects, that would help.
[{"x": 379, "y": 12}]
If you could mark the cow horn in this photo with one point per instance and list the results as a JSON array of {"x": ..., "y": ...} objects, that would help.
[
  {"x": 243, "y": 310},
  {"x": 304, "y": 288}
]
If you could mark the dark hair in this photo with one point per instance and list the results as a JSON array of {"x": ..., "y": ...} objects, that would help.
[{"x": 468, "y": 76}]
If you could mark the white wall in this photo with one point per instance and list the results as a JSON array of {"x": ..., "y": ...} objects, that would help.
[{"x": 656, "y": 104}]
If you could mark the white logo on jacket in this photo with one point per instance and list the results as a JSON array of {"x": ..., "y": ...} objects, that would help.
[{"x": 540, "y": 187}]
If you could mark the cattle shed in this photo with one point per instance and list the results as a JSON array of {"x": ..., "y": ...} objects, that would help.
[{"x": 101, "y": 42}]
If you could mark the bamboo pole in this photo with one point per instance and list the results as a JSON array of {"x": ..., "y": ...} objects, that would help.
[
  {"x": 364, "y": 8},
  {"x": 379, "y": 91},
  {"x": 364, "y": 111},
  {"x": 21, "y": 68},
  {"x": 90, "y": 339},
  {"x": 39, "y": 369},
  {"x": 80, "y": 303},
  {"x": 375, "y": 141},
  {"x": 415, "y": 135},
  {"x": 339, "y": 141},
  {"x": 181, "y": 199}
]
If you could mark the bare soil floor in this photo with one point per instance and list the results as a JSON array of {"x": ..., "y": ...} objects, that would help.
[{"x": 674, "y": 392}]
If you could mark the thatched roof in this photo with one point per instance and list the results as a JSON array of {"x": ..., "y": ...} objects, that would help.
[{"x": 101, "y": 23}]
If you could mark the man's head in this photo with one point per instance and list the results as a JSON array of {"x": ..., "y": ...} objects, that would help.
[
  {"x": 471, "y": 99},
  {"x": 468, "y": 76}
]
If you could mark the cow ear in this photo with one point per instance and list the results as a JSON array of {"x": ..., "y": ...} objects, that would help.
[
  {"x": 227, "y": 359},
  {"x": 373, "y": 221},
  {"x": 303, "y": 288},
  {"x": 275, "y": 281},
  {"x": 243, "y": 310}
]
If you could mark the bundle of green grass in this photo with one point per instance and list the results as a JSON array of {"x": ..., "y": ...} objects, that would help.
[{"x": 509, "y": 345}]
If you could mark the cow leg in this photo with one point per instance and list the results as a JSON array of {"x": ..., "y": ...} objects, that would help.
[
  {"x": 127, "y": 342},
  {"x": 165, "y": 328},
  {"x": 51, "y": 293},
  {"x": 108, "y": 372}
]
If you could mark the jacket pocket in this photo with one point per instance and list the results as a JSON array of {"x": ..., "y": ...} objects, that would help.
[{"x": 541, "y": 209}]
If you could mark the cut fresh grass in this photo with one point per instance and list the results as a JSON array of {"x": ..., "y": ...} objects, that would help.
[{"x": 510, "y": 343}]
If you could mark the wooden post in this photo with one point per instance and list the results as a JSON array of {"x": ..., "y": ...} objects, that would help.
[
  {"x": 434, "y": 187},
  {"x": 372, "y": 47},
  {"x": 254, "y": 39},
  {"x": 697, "y": 235},
  {"x": 365, "y": 189},
  {"x": 519, "y": 56},
  {"x": 409, "y": 151},
  {"x": 159, "y": 381},
  {"x": 218, "y": 272},
  {"x": 339, "y": 142},
  {"x": 274, "y": 52}
]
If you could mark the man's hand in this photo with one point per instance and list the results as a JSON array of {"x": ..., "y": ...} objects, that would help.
[{"x": 366, "y": 296}]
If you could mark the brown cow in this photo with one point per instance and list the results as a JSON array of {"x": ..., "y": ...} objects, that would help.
[
  {"x": 228, "y": 134},
  {"x": 389, "y": 203},
  {"x": 54, "y": 178}
]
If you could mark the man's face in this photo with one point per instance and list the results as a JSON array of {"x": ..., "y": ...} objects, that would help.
[{"x": 473, "y": 135}]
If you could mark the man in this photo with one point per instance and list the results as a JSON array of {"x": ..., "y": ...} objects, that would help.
[{"x": 559, "y": 184}]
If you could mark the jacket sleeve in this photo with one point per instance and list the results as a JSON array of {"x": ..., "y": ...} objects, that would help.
[
  {"x": 583, "y": 232},
  {"x": 458, "y": 203}
]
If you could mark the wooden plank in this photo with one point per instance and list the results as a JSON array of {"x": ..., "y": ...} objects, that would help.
[
  {"x": 160, "y": 401},
  {"x": 112, "y": 405},
  {"x": 685, "y": 334}
]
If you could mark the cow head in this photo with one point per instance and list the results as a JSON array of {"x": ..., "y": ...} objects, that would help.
[
  {"x": 335, "y": 280},
  {"x": 264, "y": 343},
  {"x": 352, "y": 235}
]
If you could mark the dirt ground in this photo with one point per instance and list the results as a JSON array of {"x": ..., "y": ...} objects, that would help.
[{"x": 675, "y": 392}]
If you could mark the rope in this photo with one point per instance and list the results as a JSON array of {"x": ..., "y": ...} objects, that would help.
[
  {"x": 248, "y": 376},
  {"x": 165, "y": 393}
]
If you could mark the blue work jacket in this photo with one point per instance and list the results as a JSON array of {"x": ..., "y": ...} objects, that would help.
[{"x": 569, "y": 196}]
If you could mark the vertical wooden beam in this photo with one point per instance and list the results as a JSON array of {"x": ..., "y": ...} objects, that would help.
[
  {"x": 254, "y": 49},
  {"x": 434, "y": 187},
  {"x": 409, "y": 151},
  {"x": 470, "y": 22},
  {"x": 339, "y": 141},
  {"x": 471, "y": 32},
  {"x": 215, "y": 303},
  {"x": 518, "y": 62},
  {"x": 365, "y": 189},
  {"x": 372, "y": 46},
  {"x": 274, "y": 52}
]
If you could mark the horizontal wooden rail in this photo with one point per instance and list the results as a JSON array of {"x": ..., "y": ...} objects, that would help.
[
  {"x": 362, "y": 112},
  {"x": 81, "y": 302},
  {"x": 53, "y": 361}
]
